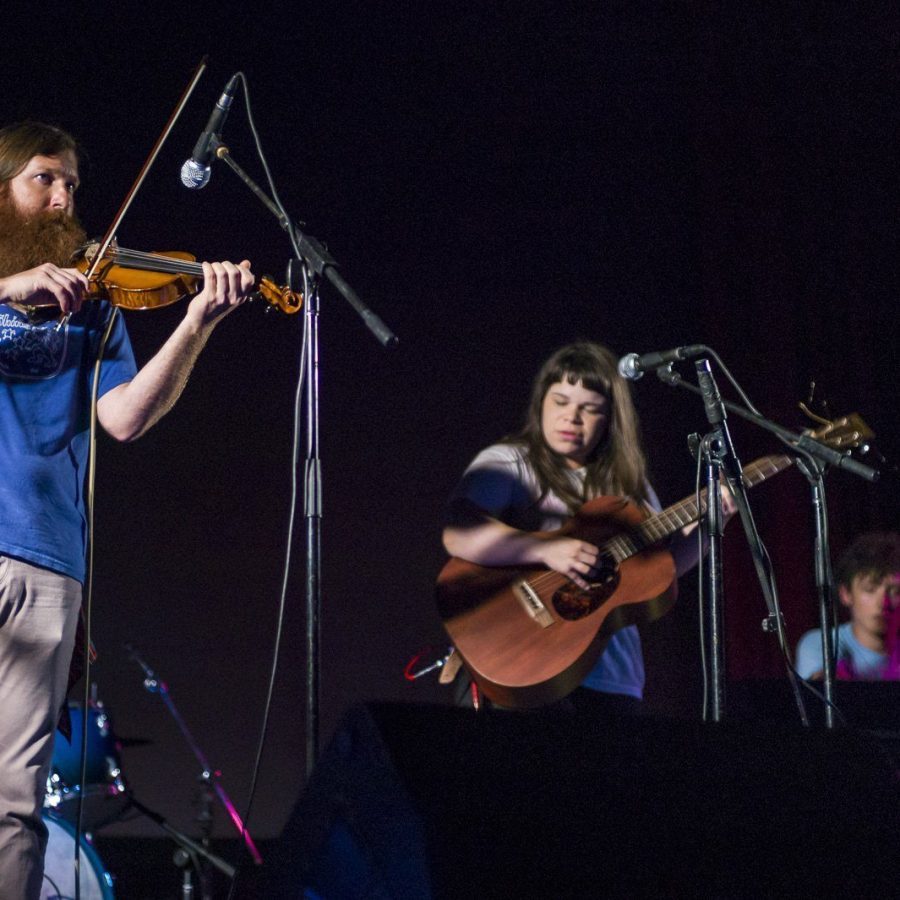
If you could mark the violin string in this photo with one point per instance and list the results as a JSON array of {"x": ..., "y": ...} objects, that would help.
[
  {"x": 156, "y": 262},
  {"x": 154, "y": 265},
  {"x": 140, "y": 254}
]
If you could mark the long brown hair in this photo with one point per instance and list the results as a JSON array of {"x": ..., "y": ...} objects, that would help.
[{"x": 617, "y": 465}]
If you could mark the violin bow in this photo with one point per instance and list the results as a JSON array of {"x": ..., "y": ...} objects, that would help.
[{"x": 129, "y": 197}]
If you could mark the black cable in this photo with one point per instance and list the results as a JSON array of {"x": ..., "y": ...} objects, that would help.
[
  {"x": 87, "y": 601},
  {"x": 282, "y": 600},
  {"x": 295, "y": 458}
]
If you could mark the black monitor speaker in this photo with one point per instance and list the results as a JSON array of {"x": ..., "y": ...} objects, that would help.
[{"x": 434, "y": 802}]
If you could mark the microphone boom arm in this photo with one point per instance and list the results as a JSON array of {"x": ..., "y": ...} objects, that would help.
[{"x": 319, "y": 260}]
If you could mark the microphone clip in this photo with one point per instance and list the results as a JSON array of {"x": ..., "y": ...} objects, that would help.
[{"x": 668, "y": 375}]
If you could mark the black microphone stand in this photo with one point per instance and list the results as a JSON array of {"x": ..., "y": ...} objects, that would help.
[
  {"x": 817, "y": 454},
  {"x": 711, "y": 454},
  {"x": 312, "y": 261},
  {"x": 813, "y": 469},
  {"x": 721, "y": 454}
]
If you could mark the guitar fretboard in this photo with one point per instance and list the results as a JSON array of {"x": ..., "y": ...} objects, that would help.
[{"x": 661, "y": 525}]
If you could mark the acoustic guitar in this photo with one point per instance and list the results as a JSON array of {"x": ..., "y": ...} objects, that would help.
[{"x": 530, "y": 636}]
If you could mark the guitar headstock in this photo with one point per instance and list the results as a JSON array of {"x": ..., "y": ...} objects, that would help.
[{"x": 846, "y": 433}]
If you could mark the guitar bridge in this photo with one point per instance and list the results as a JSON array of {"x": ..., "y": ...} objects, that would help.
[{"x": 531, "y": 601}]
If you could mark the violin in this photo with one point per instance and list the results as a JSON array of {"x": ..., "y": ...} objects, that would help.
[
  {"x": 133, "y": 279},
  {"x": 137, "y": 280}
]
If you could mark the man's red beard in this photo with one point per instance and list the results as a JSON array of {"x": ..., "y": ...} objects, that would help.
[{"x": 52, "y": 236}]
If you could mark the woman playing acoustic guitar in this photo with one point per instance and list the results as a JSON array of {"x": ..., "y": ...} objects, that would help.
[{"x": 580, "y": 440}]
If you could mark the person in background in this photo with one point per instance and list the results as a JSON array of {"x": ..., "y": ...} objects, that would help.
[{"x": 868, "y": 582}]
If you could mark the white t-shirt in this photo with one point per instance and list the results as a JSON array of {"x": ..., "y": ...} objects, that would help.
[{"x": 501, "y": 482}]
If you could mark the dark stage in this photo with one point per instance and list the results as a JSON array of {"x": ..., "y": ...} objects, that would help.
[{"x": 496, "y": 179}]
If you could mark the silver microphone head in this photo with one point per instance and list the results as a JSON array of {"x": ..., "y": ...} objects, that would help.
[
  {"x": 194, "y": 175},
  {"x": 628, "y": 367}
]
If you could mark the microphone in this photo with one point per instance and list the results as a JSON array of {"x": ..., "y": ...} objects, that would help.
[
  {"x": 633, "y": 366},
  {"x": 196, "y": 170}
]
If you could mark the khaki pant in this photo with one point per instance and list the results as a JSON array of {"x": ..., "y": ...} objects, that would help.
[{"x": 38, "y": 615}]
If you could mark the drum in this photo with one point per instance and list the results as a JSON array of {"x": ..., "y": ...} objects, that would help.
[
  {"x": 59, "y": 866},
  {"x": 105, "y": 793}
]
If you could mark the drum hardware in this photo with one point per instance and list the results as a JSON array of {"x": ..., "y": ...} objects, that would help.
[
  {"x": 106, "y": 799},
  {"x": 105, "y": 791},
  {"x": 195, "y": 855},
  {"x": 187, "y": 845},
  {"x": 59, "y": 873}
]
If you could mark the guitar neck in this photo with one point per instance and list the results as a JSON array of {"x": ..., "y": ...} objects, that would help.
[{"x": 661, "y": 525}]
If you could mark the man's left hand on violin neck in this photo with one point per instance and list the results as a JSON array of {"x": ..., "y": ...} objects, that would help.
[{"x": 225, "y": 287}]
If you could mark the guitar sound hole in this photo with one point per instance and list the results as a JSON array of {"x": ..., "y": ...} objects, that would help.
[{"x": 571, "y": 602}]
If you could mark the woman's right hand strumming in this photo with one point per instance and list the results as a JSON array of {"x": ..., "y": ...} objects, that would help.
[
  {"x": 491, "y": 542},
  {"x": 570, "y": 557}
]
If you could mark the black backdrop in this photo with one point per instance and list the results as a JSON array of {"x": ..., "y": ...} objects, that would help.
[{"x": 496, "y": 179}]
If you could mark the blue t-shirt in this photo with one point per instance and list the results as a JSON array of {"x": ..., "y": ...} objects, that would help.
[
  {"x": 501, "y": 482},
  {"x": 865, "y": 664},
  {"x": 45, "y": 399}
]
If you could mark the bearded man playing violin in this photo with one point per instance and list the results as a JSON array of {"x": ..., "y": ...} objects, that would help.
[{"x": 45, "y": 390}]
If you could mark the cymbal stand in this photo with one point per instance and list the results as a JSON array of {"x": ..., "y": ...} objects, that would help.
[
  {"x": 205, "y": 821},
  {"x": 189, "y": 850},
  {"x": 208, "y": 776}
]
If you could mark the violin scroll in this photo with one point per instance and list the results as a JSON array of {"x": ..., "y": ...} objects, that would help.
[{"x": 278, "y": 295}]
